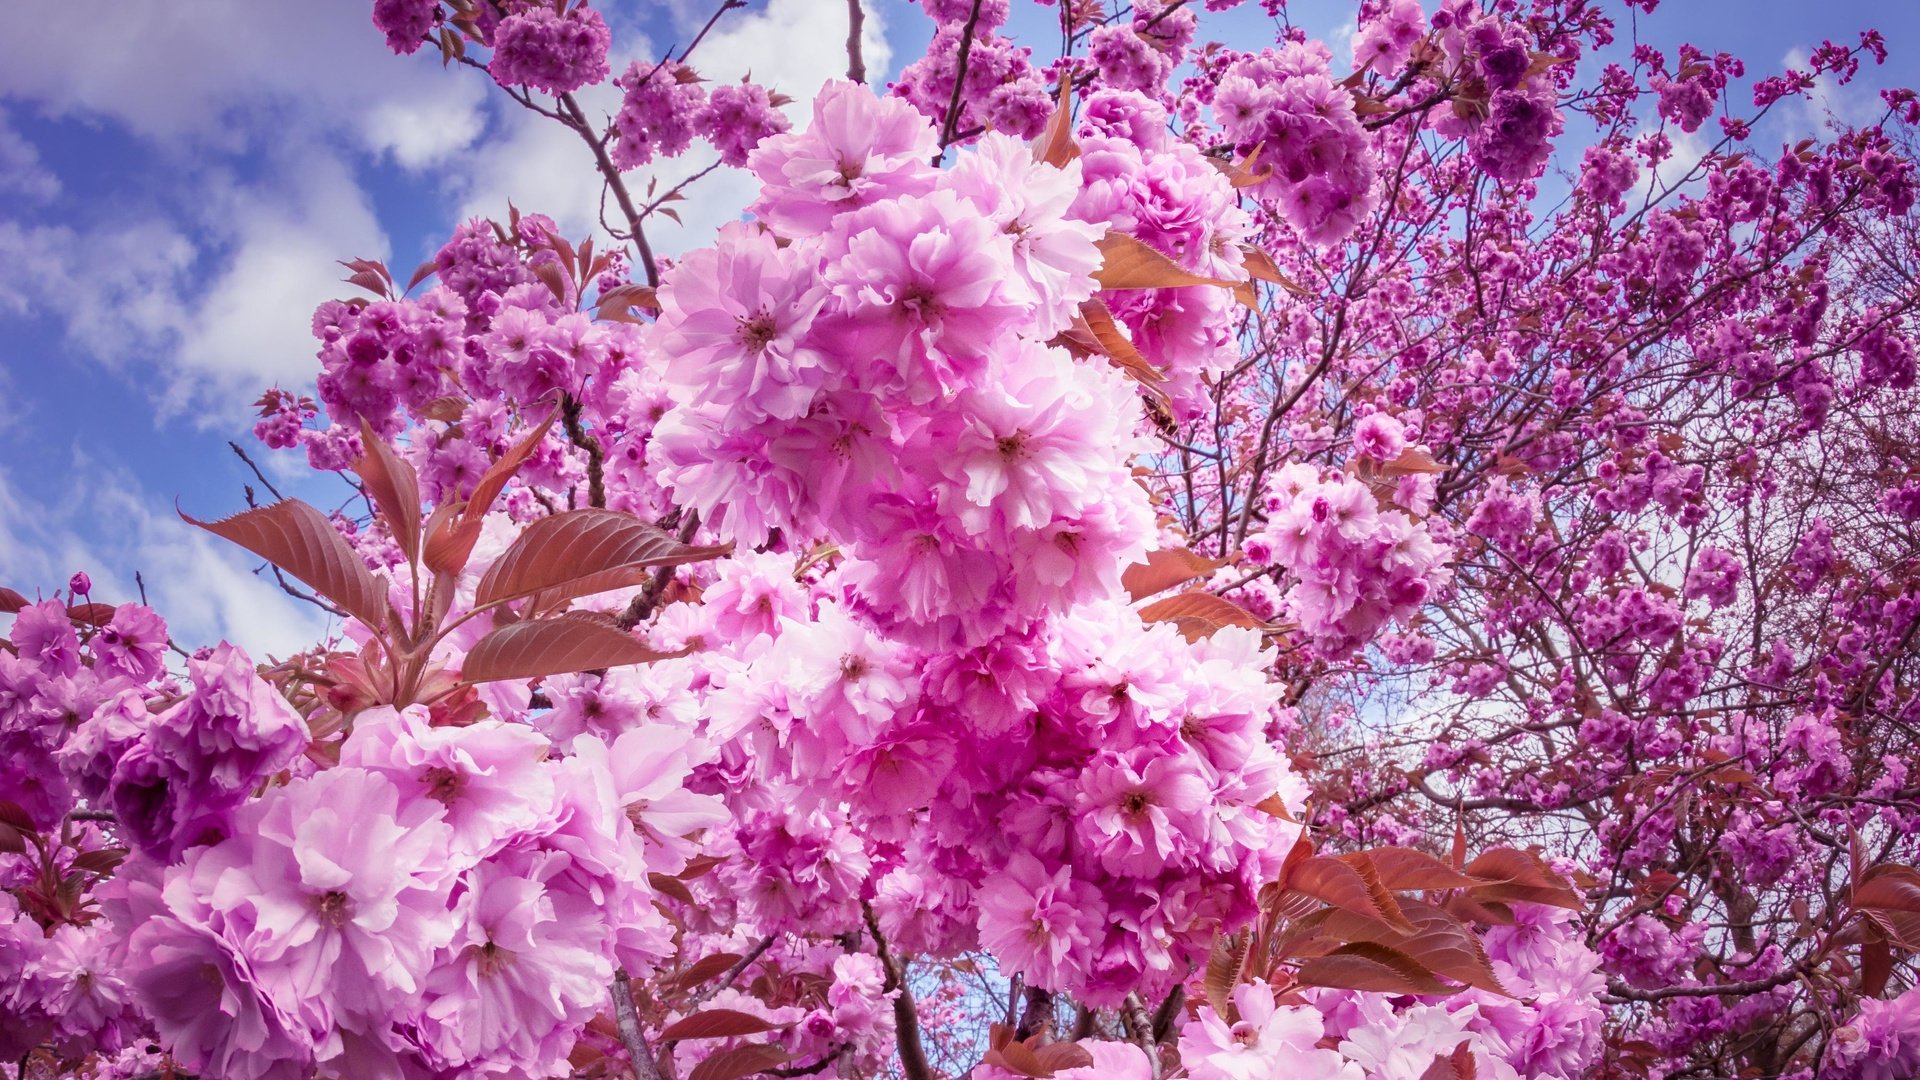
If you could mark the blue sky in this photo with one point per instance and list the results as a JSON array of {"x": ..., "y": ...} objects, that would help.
[{"x": 177, "y": 181}]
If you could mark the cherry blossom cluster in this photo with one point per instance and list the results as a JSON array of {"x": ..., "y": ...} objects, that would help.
[
  {"x": 1002, "y": 91},
  {"x": 1585, "y": 520},
  {"x": 1356, "y": 565},
  {"x": 978, "y": 470},
  {"x": 665, "y": 108}
]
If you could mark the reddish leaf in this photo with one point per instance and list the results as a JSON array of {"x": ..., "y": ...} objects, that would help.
[
  {"x": 1017, "y": 1058},
  {"x": 91, "y": 614},
  {"x": 447, "y": 408},
  {"x": 300, "y": 540},
  {"x": 1520, "y": 876},
  {"x": 531, "y": 650},
  {"x": 715, "y": 1024},
  {"x": 1446, "y": 947},
  {"x": 617, "y": 303},
  {"x": 100, "y": 862},
  {"x": 1199, "y": 614},
  {"x": 1129, "y": 264},
  {"x": 1367, "y": 966},
  {"x": 1455, "y": 1066},
  {"x": 1248, "y": 294},
  {"x": 580, "y": 552},
  {"x": 1107, "y": 334},
  {"x": 1349, "y": 886},
  {"x": 449, "y": 545},
  {"x": 371, "y": 275},
  {"x": 12, "y": 813},
  {"x": 1889, "y": 896},
  {"x": 1275, "y": 806},
  {"x": 739, "y": 1061},
  {"x": 421, "y": 273},
  {"x": 1164, "y": 569},
  {"x": 1407, "y": 870},
  {"x": 11, "y": 602},
  {"x": 395, "y": 489},
  {"x": 1889, "y": 887},
  {"x": 1439, "y": 942},
  {"x": 1412, "y": 460},
  {"x": 698, "y": 867},
  {"x": 1055, "y": 145},
  {"x": 707, "y": 967},
  {"x": 672, "y": 886},
  {"x": 1261, "y": 266},
  {"x": 1228, "y": 959},
  {"x": 1055, "y": 1057},
  {"x": 1876, "y": 965}
]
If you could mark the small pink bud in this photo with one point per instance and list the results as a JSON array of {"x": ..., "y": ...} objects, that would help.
[{"x": 80, "y": 584}]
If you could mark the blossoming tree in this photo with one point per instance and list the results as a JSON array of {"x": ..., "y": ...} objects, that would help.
[{"x": 1134, "y": 558}]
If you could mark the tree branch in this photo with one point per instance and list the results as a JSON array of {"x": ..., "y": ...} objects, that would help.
[
  {"x": 629, "y": 1020},
  {"x": 959, "y": 79},
  {"x": 578, "y": 435},
  {"x": 649, "y": 598},
  {"x": 856, "y": 23},
  {"x": 906, "y": 1017}
]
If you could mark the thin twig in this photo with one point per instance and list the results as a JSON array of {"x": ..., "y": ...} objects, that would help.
[
  {"x": 725, "y": 6},
  {"x": 256, "y": 470},
  {"x": 733, "y": 973}
]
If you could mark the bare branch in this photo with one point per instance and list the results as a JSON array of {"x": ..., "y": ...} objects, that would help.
[
  {"x": 856, "y": 23},
  {"x": 256, "y": 470}
]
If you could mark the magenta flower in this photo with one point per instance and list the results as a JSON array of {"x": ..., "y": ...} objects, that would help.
[
  {"x": 1265, "y": 1042},
  {"x": 525, "y": 970},
  {"x": 927, "y": 285},
  {"x": 858, "y": 150},
  {"x": 342, "y": 888},
  {"x": 1039, "y": 921},
  {"x": 190, "y": 974},
  {"x": 133, "y": 643},
  {"x": 1136, "y": 819},
  {"x": 1035, "y": 448},
  {"x": 490, "y": 779},
  {"x": 733, "y": 323}
]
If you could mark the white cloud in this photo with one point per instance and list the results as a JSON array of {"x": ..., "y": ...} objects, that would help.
[
  {"x": 200, "y": 282},
  {"x": 203, "y": 587},
  {"x": 1689, "y": 147},
  {"x": 252, "y": 324},
  {"x": 206, "y": 323},
  {"x": 21, "y": 173},
  {"x": 229, "y": 73},
  {"x": 1825, "y": 104},
  {"x": 114, "y": 289},
  {"x": 420, "y": 132}
]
